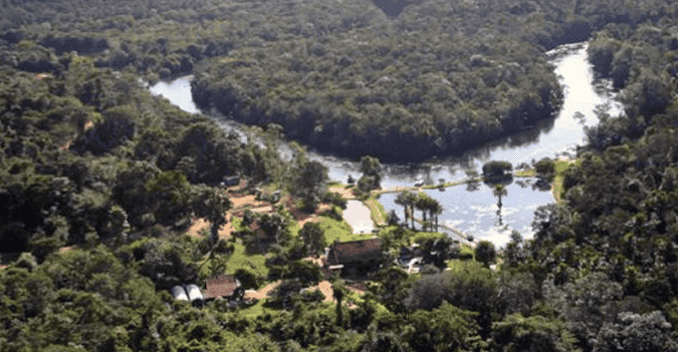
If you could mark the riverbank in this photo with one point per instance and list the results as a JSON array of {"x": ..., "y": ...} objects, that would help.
[{"x": 557, "y": 184}]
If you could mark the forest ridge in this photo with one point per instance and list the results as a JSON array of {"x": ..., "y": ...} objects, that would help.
[{"x": 347, "y": 79}]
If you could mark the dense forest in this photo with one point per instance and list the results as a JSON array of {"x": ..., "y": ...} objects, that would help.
[{"x": 99, "y": 180}]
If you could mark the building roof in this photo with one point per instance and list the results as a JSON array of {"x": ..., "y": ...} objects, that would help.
[
  {"x": 179, "y": 293},
  {"x": 355, "y": 251},
  {"x": 223, "y": 285},
  {"x": 194, "y": 292}
]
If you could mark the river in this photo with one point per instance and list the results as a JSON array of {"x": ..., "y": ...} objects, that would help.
[{"x": 475, "y": 212}]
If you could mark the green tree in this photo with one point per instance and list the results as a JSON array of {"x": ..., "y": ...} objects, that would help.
[
  {"x": 276, "y": 226},
  {"x": 636, "y": 332},
  {"x": 169, "y": 194},
  {"x": 422, "y": 203},
  {"x": 546, "y": 169},
  {"x": 585, "y": 304},
  {"x": 407, "y": 199},
  {"x": 393, "y": 288},
  {"x": 514, "y": 254},
  {"x": 314, "y": 237},
  {"x": 339, "y": 290},
  {"x": 436, "y": 209},
  {"x": 468, "y": 286},
  {"x": 308, "y": 273},
  {"x": 496, "y": 168},
  {"x": 210, "y": 203},
  {"x": 485, "y": 253},
  {"x": 403, "y": 200},
  {"x": 446, "y": 328},
  {"x": 534, "y": 333},
  {"x": 310, "y": 184},
  {"x": 371, "y": 169}
]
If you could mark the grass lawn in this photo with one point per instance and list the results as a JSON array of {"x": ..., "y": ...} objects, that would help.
[
  {"x": 455, "y": 264},
  {"x": 377, "y": 211},
  {"x": 467, "y": 252},
  {"x": 240, "y": 259},
  {"x": 525, "y": 173},
  {"x": 339, "y": 230},
  {"x": 255, "y": 310},
  {"x": 557, "y": 187}
]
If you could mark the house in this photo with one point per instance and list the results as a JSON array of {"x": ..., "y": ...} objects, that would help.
[
  {"x": 224, "y": 285},
  {"x": 179, "y": 293},
  {"x": 409, "y": 253},
  {"x": 355, "y": 257},
  {"x": 230, "y": 181}
]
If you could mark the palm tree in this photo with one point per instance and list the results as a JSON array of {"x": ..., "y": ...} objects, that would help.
[
  {"x": 421, "y": 203},
  {"x": 403, "y": 199},
  {"x": 499, "y": 191},
  {"x": 436, "y": 209},
  {"x": 407, "y": 200}
]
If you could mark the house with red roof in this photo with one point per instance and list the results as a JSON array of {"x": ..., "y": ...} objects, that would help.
[{"x": 224, "y": 286}]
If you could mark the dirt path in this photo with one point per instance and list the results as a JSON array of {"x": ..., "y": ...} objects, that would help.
[
  {"x": 326, "y": 288},
  {"x": 346, "y": 193},
  {"x": 200, "y": 225},
  {"x": 262, "y": 292}
]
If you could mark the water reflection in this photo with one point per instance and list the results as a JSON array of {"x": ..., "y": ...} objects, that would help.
[
  {"x": 477, "y": 213},
  {"x": 175, "y": 92}
]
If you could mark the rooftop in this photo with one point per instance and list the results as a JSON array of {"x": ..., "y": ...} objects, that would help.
[
  {"x": 353, "y": 251},
  {"x": 223, "y": 285}
]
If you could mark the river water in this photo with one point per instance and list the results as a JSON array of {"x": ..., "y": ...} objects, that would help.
[{"x": 475, "y": 212}]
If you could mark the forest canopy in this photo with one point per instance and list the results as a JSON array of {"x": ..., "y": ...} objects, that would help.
[
  {"x": 99, "y": 180},
  {"x": 348, "y": 79}
]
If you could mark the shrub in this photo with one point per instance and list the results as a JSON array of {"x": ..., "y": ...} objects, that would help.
[
  {"x": 247, "y": 278},
  {"x": 546, "y": 169},
  {"x": 496, "y": 168}
]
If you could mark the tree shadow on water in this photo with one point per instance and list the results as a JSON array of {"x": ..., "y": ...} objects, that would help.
[{"x": 392, "y": 8}]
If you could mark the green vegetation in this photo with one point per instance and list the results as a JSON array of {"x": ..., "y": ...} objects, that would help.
[
  {"x": 339, "y": 230},
  {"x": 560, "y": 167},
  {"x": 496, "y": 168},
  {"x": 240, "y": 259},
  {"x": 377, "y": 212},
  {"x": 545, "y": 169},
  {"x": 89, "y": 160},
  {"x": 525, "y": 173}
]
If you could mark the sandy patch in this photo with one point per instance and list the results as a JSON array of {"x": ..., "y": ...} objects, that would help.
[
  {"x": 241, "y": 202},
  {"x": 262, "y": 292},
  {"x": 326, "y": 288},
  {"x": 200, "y": 225},
  {"x": 263, "y": 210},
  {"x": 346, "y": 193}
]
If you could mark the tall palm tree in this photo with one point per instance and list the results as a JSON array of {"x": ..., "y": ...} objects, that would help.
[
  {"x": 408, "y": 200},
  {"x": 436, "y": 209},
  {"x": 421, "y": 204},
  {"x": 403, "y": 199}
]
